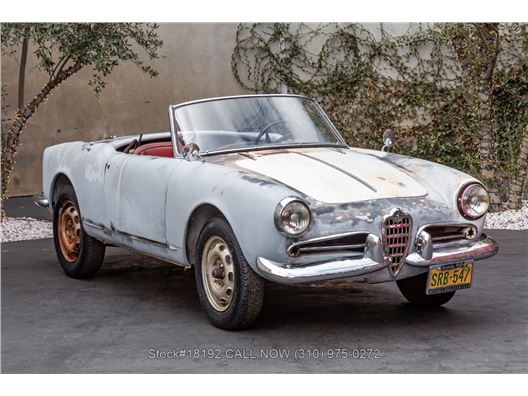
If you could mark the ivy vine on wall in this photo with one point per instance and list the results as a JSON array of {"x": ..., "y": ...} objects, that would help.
[{"x": 456, "y": 94}]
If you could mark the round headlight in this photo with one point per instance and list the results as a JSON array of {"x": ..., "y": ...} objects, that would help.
[
  {"x": 292, "y": 216},
  {"x": 473, "y": 201}
]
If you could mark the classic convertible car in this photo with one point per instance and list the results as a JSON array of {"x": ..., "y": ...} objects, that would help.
[{"x": 262, "y": 187}]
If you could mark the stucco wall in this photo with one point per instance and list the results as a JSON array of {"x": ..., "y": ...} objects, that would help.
[{"x": 197, "y": 64}]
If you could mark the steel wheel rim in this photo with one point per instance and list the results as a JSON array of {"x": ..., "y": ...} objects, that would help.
[
  {"x": 218, "y": 273},
  {"x": 69, "y": 231}
]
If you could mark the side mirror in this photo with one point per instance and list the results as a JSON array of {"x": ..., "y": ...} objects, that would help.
[
  {"x": 388, "y": 139},
  {"x": 191, "y": 152}
]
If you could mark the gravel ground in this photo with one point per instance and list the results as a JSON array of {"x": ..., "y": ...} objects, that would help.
[
  {"x": 25, "y": 228},
  {"x": 509, "y": 219}
]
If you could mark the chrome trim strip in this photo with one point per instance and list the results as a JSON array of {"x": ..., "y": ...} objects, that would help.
[
  {"x": 337, "y": 247},
  {"x": 174, "y": 136},
  {"x": 461, "y": 242},
  {"x": 40, "y": 200},
  {"x": 275, "y": 147},
  {"x": 484, "y": 248},
  {"x": 324, "y": 239},
  {"x": 445, "y": 237},
  {"x": 130, "y": 236},
  {"x": 325, "y": 116},
  {"x": 176, "y": 106},
  {"x": 89, "y": 224}
]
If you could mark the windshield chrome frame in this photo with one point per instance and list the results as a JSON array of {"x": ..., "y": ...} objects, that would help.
[{"x": 174, "y": 128}]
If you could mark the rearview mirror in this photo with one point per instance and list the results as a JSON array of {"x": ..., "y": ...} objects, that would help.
[
  {"x": 388, "y": 139},
  {"x": 191, "y": 152}
]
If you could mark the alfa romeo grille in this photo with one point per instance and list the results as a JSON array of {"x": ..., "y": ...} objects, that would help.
[{"x": 396, "y": 231}]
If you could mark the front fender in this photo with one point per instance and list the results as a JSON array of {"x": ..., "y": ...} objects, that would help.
[
  {"x": 441, "y": 182},
  {"x": 246, "y": 200}
]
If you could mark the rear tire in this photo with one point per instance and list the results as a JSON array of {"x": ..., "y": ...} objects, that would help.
[
  {"x": 413, "y": 289},
  {"x": 231, "y": 293},
  {"x": 79, "y": 254}
]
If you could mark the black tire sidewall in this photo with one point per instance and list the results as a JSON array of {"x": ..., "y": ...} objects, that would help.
[
  {"x": 232, "y": 317},
  {"x": 413, "y": 289},
  {"x": 79, "y": 268}
]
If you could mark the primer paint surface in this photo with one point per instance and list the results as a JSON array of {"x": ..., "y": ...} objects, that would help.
[{"x": 332, "y": 176}]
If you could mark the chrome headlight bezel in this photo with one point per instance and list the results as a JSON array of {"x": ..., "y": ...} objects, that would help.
[
  {"x": 281, "y": 207},
  {"x": 464, "y": 194}
]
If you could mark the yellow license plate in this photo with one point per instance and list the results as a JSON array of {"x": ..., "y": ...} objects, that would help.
[{"x": 447, "y": 278}]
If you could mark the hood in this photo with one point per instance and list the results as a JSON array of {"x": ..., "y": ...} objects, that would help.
[{"x": 333, "y": 176}]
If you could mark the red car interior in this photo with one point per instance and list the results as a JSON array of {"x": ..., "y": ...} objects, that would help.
[{"x": 159, "y": 149}]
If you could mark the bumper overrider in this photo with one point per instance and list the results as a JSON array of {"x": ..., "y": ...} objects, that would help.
[
  {"x": 374, "y": 261},
  {"x": 40, "y": 200}
]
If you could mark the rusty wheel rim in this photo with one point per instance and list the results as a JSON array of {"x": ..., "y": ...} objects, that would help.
[
  {"x": 69, "y": 231},
  {"x": 218, "y": 273}
]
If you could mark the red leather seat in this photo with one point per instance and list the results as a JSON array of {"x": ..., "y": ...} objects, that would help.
[{"x": 159, "y": 149}]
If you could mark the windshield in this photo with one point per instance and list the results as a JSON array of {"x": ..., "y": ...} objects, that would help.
[{"x": 253, "y": 122}]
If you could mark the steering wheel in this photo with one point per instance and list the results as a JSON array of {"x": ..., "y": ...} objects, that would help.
[{"x": 265, "y": 130}]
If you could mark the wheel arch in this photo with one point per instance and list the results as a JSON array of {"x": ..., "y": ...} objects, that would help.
[
  {"x": 60, "y": 179},
  {"x": 199, "y": 216}
]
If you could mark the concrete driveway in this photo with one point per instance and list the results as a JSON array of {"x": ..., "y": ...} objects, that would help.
[{"x": 139, "y": 314}]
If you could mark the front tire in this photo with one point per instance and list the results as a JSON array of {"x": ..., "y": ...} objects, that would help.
[
  {"x": 231, "y": 293},
  {"x": 79, "y": 254},
  {"x": 413, "y": 289}
]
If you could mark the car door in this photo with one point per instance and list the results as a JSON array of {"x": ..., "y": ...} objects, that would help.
[{"x": 135, "y": 195}]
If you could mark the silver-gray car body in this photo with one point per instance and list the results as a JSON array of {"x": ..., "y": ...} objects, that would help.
[{"x": 157, "y": 205}]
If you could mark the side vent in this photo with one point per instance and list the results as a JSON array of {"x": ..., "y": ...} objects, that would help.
[{"x": 352, "y": 243}]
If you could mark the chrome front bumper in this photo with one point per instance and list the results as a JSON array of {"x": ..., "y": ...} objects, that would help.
[
  {"x": 40, "y": 200},
  {"x": 318, "y": 272},
  {"x": 485, "y": 247},
  {"x": 373, "y": 261}
]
